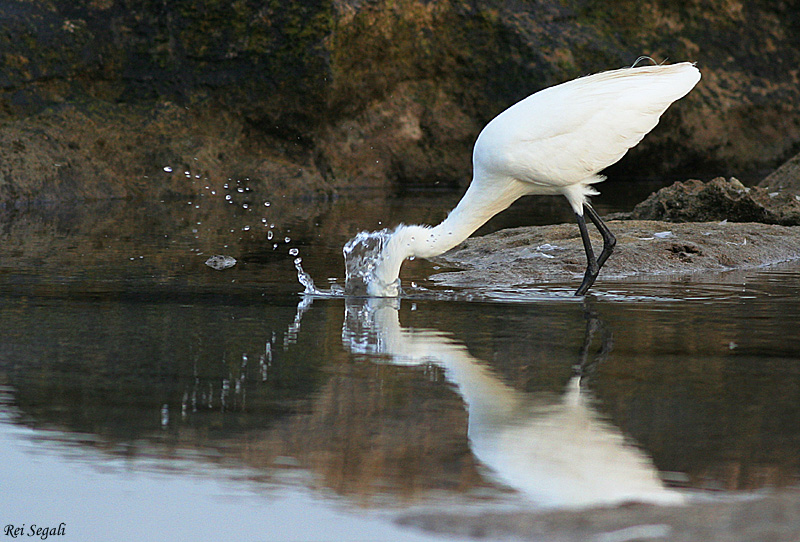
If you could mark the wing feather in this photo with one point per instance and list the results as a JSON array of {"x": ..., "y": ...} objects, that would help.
[{"x": 567, "y": 133}]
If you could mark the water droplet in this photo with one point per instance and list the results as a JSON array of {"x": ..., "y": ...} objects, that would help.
[
  {"x": 267, "y": 204},
  {"x": 245, "y": 205},
  {"x": 287, "y": 239},
  {"x": 168, "y": 169},
  {"x": 294, "y": 252},
  {"x": 227, "y": 197},
  {"x": 269, "y": 235},
  {"x": 246, "y": 228},
  {"x": 220, "y": 262}
]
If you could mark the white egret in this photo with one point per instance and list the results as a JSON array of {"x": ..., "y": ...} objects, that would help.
[{"x": 555, "y": 141}]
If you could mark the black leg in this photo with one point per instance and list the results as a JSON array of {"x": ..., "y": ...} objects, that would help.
[
  {"x": 609, "y": 241},
  {"x": 592, "y": 269},
  {"x": 593, "y": 264}
]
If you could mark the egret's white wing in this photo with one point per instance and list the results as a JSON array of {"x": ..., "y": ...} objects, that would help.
[{"x": 565, "y": 134}]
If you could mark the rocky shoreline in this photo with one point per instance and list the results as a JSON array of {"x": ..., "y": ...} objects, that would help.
[
  {"x": 685, "y": 228},
  {"x": 530, "y": 255}
]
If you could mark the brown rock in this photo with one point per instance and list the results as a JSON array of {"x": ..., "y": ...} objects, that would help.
[
  {"x": 531, "y": 255},
  {"x": 718, "y": 199},
  {"x": 350, "y": 93},
  {"x": 785, "y": 178}
]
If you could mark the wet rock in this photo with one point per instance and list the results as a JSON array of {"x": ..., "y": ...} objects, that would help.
[
  {"x": 531, "y": 255},
  {"x": 785, "y": 178},
  {"x": 718, "y": 199}
]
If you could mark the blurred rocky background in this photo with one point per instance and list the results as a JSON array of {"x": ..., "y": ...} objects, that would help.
[{"x": 314, "y": 98}]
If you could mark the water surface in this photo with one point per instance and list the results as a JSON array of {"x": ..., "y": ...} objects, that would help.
[{"x": 144, "y": 395}]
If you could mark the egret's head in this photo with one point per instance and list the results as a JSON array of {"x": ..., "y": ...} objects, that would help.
[
  {"x": 373, "y": 259},
  {"x": 364, "y": 260}
]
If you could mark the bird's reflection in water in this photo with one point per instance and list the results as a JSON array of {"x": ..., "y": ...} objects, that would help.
[{"x": 555, "y": 449}]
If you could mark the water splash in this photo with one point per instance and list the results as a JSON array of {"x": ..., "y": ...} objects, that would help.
[
  {"x": 308, "y": 283},
  {"x": 305, "y": 279},
  {"x": 361, "y": 255}
]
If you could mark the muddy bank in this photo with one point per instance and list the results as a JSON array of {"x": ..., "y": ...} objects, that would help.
[
  {"x": 555, "y": 253},
  {"x": 774, "y": 517}
]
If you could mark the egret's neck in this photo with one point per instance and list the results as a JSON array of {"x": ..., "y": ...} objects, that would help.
[{"x": 481, "y": 202}]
